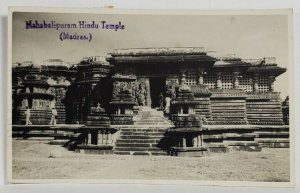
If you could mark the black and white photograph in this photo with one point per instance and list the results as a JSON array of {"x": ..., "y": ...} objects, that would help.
[{"x": 161, "y": 97}]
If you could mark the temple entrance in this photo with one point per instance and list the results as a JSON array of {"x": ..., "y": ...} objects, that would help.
[{"x": 157, "y": 86}]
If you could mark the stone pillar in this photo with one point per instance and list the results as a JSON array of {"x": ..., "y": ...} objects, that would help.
[
  {"x": 99, "y": 138},
  {"x": 200, "y": 76},
  {"x": 146, "y": 83},
  {"x": 199, "y": 144},
  {"x": 148, "y": 99},
  {"x": 183, "y": 142},
  {"x": 181, "y": 110},
  {"x": 201, "y": 139},
  {"x": 89, "y": 141},
  {"x": 195, "y": 141},
  {"x": 107, "y": 137},
  {"x": 182, "y": 77},
  {"x": 255, "y": 82},
  {"x": 219, "y": 80},
  {"x": 102, "y": 137},
  {"x": 236, "y": 79},
  {"x": 271, "y": 83},
  {"x": 110, "y": 140},
  {"x": 191, "y": 110}
]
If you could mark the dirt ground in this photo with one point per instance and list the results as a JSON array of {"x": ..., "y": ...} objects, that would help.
[{"x": 31, "y": 161}]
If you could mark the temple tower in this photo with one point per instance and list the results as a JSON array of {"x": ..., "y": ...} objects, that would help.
[{"x": 32, "y": 91}]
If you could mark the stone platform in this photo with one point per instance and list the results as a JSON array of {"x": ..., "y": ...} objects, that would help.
[
  {"x": 145, "y": 138},
  {"x": 61, "y": 131},
  {"x": 188, "y": 151},
  {"x": 246, "y": 137}
]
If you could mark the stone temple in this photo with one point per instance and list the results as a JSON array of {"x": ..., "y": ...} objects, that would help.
[{"x": 152, "y": 101}]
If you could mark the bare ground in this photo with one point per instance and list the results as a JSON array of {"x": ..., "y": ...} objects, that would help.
[{"x": 31, "y": 161}]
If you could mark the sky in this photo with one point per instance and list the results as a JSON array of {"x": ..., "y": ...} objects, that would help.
[{"x": 246, "y": 36}]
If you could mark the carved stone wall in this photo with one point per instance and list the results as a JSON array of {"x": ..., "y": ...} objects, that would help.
[
  {"x": 228, "y": 107},
  {"x": 264, "y": 109}
]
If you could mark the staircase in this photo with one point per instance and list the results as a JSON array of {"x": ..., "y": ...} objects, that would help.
[{"x": 144, "y": 137}]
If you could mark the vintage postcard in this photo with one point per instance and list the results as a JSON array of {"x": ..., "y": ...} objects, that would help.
[{"x": 155, "y": 97}]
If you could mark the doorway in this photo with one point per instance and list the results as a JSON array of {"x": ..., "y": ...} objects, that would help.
[{"x": 157, "y": 86}]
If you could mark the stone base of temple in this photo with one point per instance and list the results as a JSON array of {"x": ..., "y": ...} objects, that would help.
[
  {"x": 245, "y": 147},
  {"x": 143, "y": 138},
  {"x": 188, "y": 151},
  {"x": 54, "y": 132},
  {"x": 38, "y": 116},
  {"x": 61, "y": 142},
  {"x": 218, "y": 149},
  {"x": 95, "y": 149},
  {"x": 246, "y": 137},
  {"x": 273, "y": 136}
]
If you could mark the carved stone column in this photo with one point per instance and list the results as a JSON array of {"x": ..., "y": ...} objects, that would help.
[
  {"x": 183, "y": 141},
  {"x": 148, "y": 98},
  {"x": 146, "y": 84},
  {"x": 200, "y": 76},
  {"x": 106, "y": 137},
  {"x": 219, "y": 80},
  {"x": 110, "y": 140},
  {"x": 182, "y": 77},
  {"x": 236, "y": 79},
  {"x": 271, "y": 83},
  {"x": 99, "y": 138},
  {"x": 102, "y": 137},
  {"x": 255, "y": 82},
  {"x": 195, "y": 141},
  {"x": 89, "y": 141},
  {"x": 199, "y": 144}
]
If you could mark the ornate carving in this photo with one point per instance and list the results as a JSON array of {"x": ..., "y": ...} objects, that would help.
[
  {"x": 141, "y": 94},
  {"x": 219, "y": 80},
  {"x": 236, "y": 79},
  {"x": 184, "y": 88},
  {"x": 116, "y": 89},
  {"x": 200, "y": 75},
  {"x": 255, "y": 82},
  {"x": 128, "y": 87}
]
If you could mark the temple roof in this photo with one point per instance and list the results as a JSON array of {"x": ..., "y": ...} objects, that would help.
[
  {"x": 55, "y": 62},
  {"x": 94, "y": 60},
  {"x": 276, "y": 70},
  {"x": 231, "y": 62},
  {"x": 159, "y": 51},
  {"x": 187, "y": 55}
]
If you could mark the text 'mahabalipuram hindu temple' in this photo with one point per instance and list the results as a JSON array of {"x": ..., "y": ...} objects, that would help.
[{"x": 152, "y": 101}]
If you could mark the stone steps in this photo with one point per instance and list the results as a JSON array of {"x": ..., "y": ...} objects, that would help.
[
  {"x": 138, "y": 140},
  {"x": 143, "y": 153},
  {"x": 143, "y": 129},
  {"x": 127, "y": 144},
  {"x": 240, "y": 143},
  {"x": 262, "y": 134},
  {"x": 152, "y": 123},
  {"x": 137, "y": 149},
  {"x": 139, "y": 133},
  {"x": 144, "y": 136},
  {"x": 140, "y": 137},
  {"x": 272, "y": 140}
]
